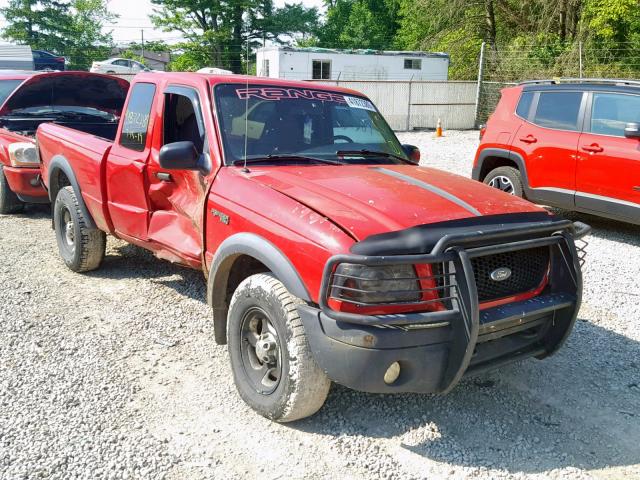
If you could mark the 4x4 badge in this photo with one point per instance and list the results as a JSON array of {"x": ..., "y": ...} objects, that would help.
[
  {"x": 500, "y": 274},
  {"x": 224, "y": 218}
]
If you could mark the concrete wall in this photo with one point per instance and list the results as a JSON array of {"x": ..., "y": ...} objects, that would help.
[{"x": 415, "y": 105}]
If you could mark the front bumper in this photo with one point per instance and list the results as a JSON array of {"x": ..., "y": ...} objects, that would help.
[
  {"x": 26, "y": 184},
  {"x": 435, "y": 349}
]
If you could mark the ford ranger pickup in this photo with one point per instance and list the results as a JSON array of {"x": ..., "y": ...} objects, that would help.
[
  {"x": 84, "y": 101},
  {"x": 330, "y": 255}
]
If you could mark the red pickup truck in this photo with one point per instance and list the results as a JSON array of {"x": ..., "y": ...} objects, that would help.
[
  {"x": 81, "y": 100},
  {"x": 330, "y": 255}
]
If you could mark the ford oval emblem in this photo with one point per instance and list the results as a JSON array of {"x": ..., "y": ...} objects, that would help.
[{"x": 501, "y": 274}]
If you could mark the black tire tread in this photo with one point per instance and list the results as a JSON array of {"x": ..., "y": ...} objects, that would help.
[
  {"x": 9, "y": 201},
  {"x": 92, "y": 242}
]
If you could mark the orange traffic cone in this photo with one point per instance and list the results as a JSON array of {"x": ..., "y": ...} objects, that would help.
[{"x": 439, "y": 128}]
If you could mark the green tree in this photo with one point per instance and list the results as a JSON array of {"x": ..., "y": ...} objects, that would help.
[
  {"x": 72, "y": 28},
  {"x": 217, "y": 32},
  {"x": 41, "y": 24}
]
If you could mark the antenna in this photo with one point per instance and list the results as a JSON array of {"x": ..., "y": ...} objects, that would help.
[{"x": 246, "y": 111}]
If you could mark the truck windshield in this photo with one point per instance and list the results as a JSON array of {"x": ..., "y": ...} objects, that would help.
[
  {"x": 7, "y": 87},
  {"x": 284, "y": 124}
]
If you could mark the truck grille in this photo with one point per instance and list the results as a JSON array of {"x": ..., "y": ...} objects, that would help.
[{"x": 528, "y": 268}]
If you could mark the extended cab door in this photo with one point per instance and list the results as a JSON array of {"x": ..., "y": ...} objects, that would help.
[
  {"x": 608, "y": 178},
  {"x": 176, "y": 197},
  {"x": 548, "y": 142},
  {"x": 125, "y": 172}
]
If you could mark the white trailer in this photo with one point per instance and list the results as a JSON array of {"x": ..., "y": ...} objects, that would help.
[
  {"x": 15, "y": 57},
  {"x": 328, "y": 64}
]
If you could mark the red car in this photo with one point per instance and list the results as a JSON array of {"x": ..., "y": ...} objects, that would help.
[
  {"x": 82, "y": 100},
  {"x": 330, "y": 255},
  {"x": 574, "y": 145}
]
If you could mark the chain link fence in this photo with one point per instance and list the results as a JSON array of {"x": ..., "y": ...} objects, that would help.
[{"x": 502, "y": 67}]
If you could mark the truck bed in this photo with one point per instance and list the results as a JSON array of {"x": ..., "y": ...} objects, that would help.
[{"x": 86, "y": 154}]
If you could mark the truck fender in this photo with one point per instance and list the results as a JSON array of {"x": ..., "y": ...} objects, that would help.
[
  {"x": 260, "y": 249},
  {"x": 60, "y": 164},
  {"x": 501, "y": 153}
]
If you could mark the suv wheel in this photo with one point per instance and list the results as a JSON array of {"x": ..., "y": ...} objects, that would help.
[
  {"x": 507, "y": 179},
  {"x": 273, "y": 368},
  {"x": 9, "y": 201},
  {"x": 82, "y": 248}
]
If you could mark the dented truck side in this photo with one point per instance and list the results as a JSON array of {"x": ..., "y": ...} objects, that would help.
[{"x": 329, "y": 255}]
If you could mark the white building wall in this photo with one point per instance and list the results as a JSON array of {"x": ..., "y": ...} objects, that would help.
[{"x": 298, "y": 65}]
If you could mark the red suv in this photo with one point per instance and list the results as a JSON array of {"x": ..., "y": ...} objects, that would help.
[{"x": 574, "y": 145}]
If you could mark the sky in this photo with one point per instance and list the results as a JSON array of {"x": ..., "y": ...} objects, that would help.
[{"x": 134, "y": 18}]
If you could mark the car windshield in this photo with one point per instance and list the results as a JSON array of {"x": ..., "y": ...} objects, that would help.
[
  {"x": 284, "y": 124},
  {"x": 7, "y": 87}
]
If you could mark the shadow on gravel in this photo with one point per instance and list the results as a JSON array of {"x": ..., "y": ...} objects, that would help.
[
  {"x": 579, "y": 408},
  {"x": 605, "y": 228},
  {"x": 131, "y": 261},
  {"x": 35, "y": 212}
]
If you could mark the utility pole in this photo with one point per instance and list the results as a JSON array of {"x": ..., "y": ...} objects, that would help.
[{"x": 142, "y": 35}]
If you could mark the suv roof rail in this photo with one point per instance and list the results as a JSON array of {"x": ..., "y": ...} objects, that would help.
[{"x": 558, "y": 81}]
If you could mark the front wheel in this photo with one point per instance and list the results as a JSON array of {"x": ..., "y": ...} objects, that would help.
[
  {"x": 273, "y": 368},
  {"x": 507, "y": 179},
  {"x": 9, "y": 201},
  {"x": 81, "y": 247}
]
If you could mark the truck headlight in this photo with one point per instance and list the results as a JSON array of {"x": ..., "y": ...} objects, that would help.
[
  {"x": 365, "y": 285},
  {"x": 23, "y": 155}
]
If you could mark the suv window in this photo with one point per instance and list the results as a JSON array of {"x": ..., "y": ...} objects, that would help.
[
  {"x": 524, "y": 105},
  {"x": 180, "y": 121},
  {"x": 136, "y": 118},
  {"x": 558, "y": 110},
  {"x": 612, "y": 111}
]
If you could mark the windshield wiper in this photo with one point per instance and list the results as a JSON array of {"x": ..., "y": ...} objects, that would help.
[
  {"x": 372, "y": 153},
  {"x": 276, "y": 157}
]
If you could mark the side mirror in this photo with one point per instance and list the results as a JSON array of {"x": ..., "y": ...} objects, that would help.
[
  {"x": 179, "y": 156},
  {"x": 632, "y": 130},
  {"x": 412, "y": 152}
]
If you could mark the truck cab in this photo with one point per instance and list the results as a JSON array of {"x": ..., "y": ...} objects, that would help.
[{"x": 330, "y": 255}]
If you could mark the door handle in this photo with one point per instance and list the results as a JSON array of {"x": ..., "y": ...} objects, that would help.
[
  {"x": 593, "y": 148},
  {"x": 529, "y": 139},
  {"x": 164, "y": 176}
]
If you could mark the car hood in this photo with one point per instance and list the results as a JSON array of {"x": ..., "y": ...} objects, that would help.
[
  {"x": 366, "y": 200},
  {"x": 69, "y": 89}
]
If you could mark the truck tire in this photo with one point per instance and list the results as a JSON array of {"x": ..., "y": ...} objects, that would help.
[
  {"x": 507, "y": 179},
  {"x": 9, "y": 201},
  {"x": 82, "y": 248},
  {"x": 273, "y": 368}
]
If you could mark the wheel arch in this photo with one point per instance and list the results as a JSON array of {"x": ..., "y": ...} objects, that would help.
[
  {"x": 238, "y": 257},
  {"x": 61, "y": 175},
  {"x": 491, "y": 158}
]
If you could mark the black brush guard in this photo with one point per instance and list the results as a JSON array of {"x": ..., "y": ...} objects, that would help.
[{"x": 435, "y": 349}]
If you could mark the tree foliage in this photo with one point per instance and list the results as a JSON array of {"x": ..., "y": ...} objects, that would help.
[
  {"x": 72, "y": 28},
  {"x": 218, "y": 32}
]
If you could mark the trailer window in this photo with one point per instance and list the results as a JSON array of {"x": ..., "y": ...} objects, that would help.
[
  {"x": 412, "y": 64},
  {"x": 136, "y": 118},
  {"x": 321, "y": 70}
]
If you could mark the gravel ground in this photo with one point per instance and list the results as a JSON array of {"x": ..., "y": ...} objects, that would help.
[{"x": 115, "y": 374}]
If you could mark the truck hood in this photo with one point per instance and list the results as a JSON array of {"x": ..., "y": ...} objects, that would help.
[
  {"x": 366, "y": 200},
  {"x": 69, "y": 89}
]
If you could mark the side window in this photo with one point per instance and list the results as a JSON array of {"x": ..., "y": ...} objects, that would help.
[
  {"x": 136, "y": 118},
  {"x": 180, "y": 121},
  {"x": 524, "y": 105},
  {"x": 611, "y": 112},
  {"x": 559, "y": 110}
]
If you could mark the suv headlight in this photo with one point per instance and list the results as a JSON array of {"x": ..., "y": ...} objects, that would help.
[
  {"x": 361, "y": 284},
  {"x": 23, "y": 155}
]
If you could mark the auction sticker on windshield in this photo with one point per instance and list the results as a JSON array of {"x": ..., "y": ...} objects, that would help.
[{"x": 355, "y": 102}]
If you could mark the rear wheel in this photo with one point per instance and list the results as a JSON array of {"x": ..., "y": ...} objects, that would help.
[
  {"x": 507, "y": 179},
  {"x": 9, "y": 201},
  {"x": 82, "y": 248},
  {"x": 273, "y": 368}
]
